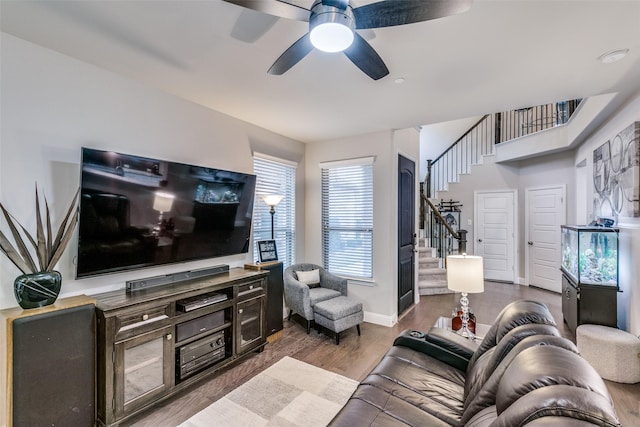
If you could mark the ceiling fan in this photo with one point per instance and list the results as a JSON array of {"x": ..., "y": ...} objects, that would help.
[{"x": 333, "y": 25}]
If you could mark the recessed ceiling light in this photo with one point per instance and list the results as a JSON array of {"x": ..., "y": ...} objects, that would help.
[
  {"x": 613, "y": 56},
  {"x": 399, "y": 80}
]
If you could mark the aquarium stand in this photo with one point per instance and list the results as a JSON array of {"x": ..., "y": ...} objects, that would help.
[
  {"x": 592, "y": 304},
  {"x": 589, "y": 275}
]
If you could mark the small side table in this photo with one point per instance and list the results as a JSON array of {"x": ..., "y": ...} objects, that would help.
[{"x": 445, "y": 323}]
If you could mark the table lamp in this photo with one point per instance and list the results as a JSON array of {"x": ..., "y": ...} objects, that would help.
[{"x": 465, "y": 275}]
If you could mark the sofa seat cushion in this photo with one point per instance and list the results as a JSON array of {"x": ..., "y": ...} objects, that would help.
[
  {"x": 426, "y": 363},
  {"x": 372, "y": 407},
  {"x": 317, "y": 295},
  {"x": 408, "y": 387}
]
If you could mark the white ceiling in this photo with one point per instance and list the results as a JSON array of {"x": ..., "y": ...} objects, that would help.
[{"x": 499, "y": 55}]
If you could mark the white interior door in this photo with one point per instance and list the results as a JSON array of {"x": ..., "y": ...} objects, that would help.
[
  {"x": 495, "y": 233},
  {"x": 545, "y": 212}
]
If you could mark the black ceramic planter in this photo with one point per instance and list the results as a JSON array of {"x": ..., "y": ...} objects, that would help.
[{"x": 37, "y": 289}]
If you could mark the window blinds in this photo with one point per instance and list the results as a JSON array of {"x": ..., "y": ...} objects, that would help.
[
  {"x": 275, "y": 177},
  {"x": 347, "y": 219}
]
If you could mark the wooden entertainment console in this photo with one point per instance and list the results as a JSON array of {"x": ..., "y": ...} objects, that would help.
[{"x": 156, "y": 342}]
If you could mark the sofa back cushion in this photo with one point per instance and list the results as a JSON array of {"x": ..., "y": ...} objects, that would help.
[
  {"x": 516, "y": 314},
  {"x": 552, "y": 381},
  {"x": 486, "y": 364},
  {"x": 483, "y": 394}
]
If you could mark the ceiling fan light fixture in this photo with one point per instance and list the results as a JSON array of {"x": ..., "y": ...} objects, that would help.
[
  {"x": 330, "y": 28},
  {"x": 331, "y": 37}
]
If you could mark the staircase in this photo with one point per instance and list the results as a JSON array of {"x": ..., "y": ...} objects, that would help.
[
  {"x": 474, "y": 147},
  {"x": 432, "y": 279}
]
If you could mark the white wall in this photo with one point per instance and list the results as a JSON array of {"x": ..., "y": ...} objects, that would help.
[
  {"x": 52, "y": 105},
  {"x": 629, "y": 274},
  {"x": 379, "y": 298},
  {"x": 537, "y": 172}
]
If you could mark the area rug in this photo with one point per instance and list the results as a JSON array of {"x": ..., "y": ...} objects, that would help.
[{"x": 289, "y": 393}]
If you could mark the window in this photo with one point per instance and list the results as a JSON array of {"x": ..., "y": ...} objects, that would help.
[
  {"x": 275, "y": 176},
  {"x": 347, "y": 217}
]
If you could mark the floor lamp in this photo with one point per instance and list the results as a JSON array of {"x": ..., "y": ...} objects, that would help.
[
  {"x": 465, "y": 274},
  {"x": 272, "y": 201}
]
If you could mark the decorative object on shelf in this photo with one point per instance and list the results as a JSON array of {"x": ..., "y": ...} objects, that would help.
[
  {"x": 267, "y": 250},
  {"x": 456, "y": 320},
  {"x": 162, "y": 203},
  {"x": 37, "y": 289},
  {"x": 39, "y": 285},
  {"x": 465, "y": 274},
  {"x": 272, "y": 201},
  {"x": 616, "y": 175}
]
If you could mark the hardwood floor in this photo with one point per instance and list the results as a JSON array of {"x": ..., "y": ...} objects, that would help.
[{"x": 356, "y": 356}]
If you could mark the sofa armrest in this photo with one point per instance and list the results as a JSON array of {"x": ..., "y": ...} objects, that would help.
[
  {"x": 447, "y": 351},
  {"x": 297, "y": 299},
  {"x": 452, "y": 341}
]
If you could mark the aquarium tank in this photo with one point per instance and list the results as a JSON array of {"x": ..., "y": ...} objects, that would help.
[{"x": 590, "y": 254}]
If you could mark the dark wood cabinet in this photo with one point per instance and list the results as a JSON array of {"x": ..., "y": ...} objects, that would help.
[
  {"x": 156, "y": 342},
  {"x": 47, "y": 359},
  {"x": 275, "y": 285},
  {"x": 593, "y": 304}
]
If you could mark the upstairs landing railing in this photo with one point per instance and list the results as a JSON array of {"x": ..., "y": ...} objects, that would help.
[
  {"x": 492, "y": 129},
  {"x": 468, "y": 150}
]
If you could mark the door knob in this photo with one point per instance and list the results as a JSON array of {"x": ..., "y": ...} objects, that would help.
[
  {"x": 479, "y": 240},
  {"x": 530, "y": 243}
]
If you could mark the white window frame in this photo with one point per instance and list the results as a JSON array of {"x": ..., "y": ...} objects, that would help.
[
  {"x": 347, "y": 217},
  {"x": 275, "y": 176}
]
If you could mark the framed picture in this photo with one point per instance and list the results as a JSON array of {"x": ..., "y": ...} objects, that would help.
[
  {"x": 616, "y": 175},
  {"x": 267, "y": 250}
]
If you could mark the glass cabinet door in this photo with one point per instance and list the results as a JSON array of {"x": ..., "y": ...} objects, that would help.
[
  {"x": 250, "y": 324},
  {"x": 146, "y": 369}
]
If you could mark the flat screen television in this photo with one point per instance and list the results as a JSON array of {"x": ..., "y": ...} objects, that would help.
[{"x": 138, "y": 212}]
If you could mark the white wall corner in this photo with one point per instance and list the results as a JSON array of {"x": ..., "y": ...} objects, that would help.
[{"x": 381, "y": 319}]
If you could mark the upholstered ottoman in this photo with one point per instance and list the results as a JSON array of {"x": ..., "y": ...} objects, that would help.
[
  {"x": 338, "y": 314},
  {"x": 615, "y": 354}
]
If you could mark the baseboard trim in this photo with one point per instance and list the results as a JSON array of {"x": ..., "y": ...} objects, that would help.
[{"x": 380, "y": 319}]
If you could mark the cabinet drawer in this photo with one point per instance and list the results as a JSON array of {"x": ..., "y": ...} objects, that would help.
[
  {"x": 147, "y": 318},
  {"x": 250, "y": 290},
  {"x": 199, "y": 325}
]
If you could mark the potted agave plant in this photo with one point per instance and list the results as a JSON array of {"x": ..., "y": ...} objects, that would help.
[{"x": 39, "y": 285}]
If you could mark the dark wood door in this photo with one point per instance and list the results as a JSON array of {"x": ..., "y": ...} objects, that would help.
[{"x": 406, "y": 233}]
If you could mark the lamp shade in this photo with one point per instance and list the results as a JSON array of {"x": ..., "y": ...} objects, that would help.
[
  {"x": 465, "y": 273},
  {"x": 272, "y": 199},
  {"x": 163, "y": 201}
]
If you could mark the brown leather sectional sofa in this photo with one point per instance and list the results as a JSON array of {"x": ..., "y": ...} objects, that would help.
[{"x": 522, "y": 373}]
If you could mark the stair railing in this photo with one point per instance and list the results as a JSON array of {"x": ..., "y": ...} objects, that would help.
[
  {"x": 439, "y": 232},
  {"x": 492, "y": 129}
]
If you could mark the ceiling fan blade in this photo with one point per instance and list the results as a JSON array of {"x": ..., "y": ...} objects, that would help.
[
  {"x": 362, "y": 54},
  {"x": 277, "y": 8},
  {"x": 400, "y": 12},
  {"x": 251, "y": 25},
  {"x": 292, "y": 56}
]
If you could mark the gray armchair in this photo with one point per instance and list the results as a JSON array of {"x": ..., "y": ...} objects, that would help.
[{"x": 300, "y": 298}]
